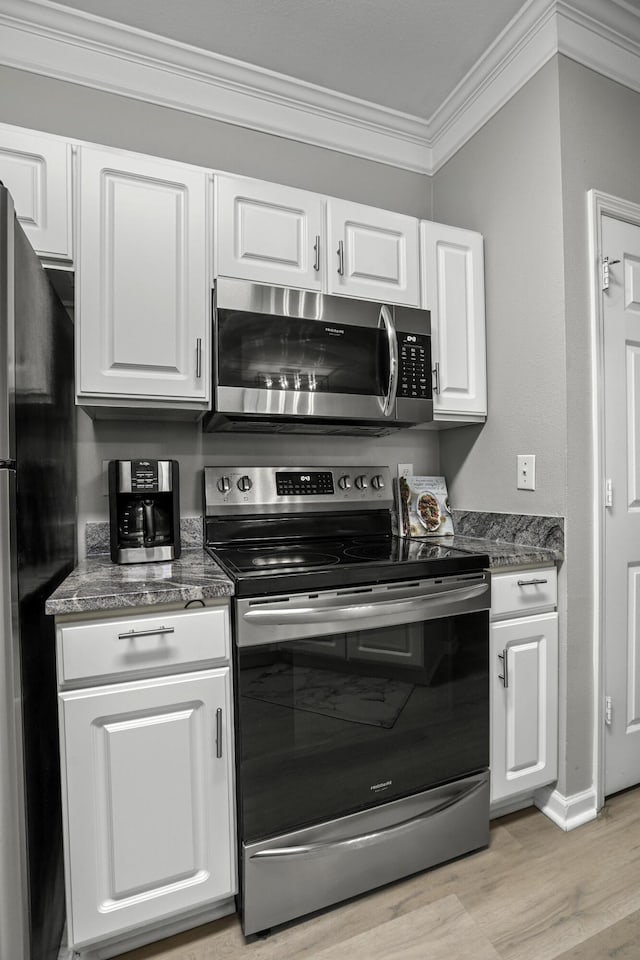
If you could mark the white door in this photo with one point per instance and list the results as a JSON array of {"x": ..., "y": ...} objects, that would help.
[
  {"x": 621, "y": 318},
  {"x": 269, "y": 233},
  {"x": 524, "y": 704},
  {"x": 36, "y": 169},
  {"x": 143, "y": 283},
  {"x": 147, "y": 774},
  {"x": 453, "y": 290},
  {"x": 372, "y": 253}
]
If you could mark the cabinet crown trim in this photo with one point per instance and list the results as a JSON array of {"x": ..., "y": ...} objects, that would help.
[{"x": 49, "y": 39}]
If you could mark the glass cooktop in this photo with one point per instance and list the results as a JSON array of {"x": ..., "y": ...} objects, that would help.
[{"x": 269, "y": 568}]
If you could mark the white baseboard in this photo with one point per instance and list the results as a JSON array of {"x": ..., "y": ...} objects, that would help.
[{"x": 568, "y": 812}]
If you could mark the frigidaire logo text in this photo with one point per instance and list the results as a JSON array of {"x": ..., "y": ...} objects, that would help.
[
  {"x": 335, "y": 330},
  {"x": 381, "y": 786}
]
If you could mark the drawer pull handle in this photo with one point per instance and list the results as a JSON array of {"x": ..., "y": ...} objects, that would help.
[
  {"x": 130, "y": 634},
  {"x": 530, "y": 583},
  {"x": 504, "y": 676},
  {"x": 219, "y": 732}
]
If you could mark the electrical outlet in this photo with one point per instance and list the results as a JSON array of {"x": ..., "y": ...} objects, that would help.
[
  {"x": 405, "y": 469},
  {"x": 526, "y": 471}
]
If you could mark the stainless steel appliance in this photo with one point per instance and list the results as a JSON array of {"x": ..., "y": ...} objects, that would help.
[
  {"x": 361, "y": 687},
  {"x": 144, "y": 510},
  {"x": 37, "y": 550},
  {"x": 302, "y": 362}
]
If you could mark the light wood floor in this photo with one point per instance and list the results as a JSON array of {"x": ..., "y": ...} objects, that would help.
[{"x": 536, "y": 893}]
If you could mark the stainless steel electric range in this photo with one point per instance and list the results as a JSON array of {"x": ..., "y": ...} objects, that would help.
[{"x": 361, "y": 687}]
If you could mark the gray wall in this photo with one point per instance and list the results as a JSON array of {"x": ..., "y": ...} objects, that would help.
[
  {"x": 75, "y": 111},
  {"x": 505, "y": 182},
  {"x": 600, "y": 144}
]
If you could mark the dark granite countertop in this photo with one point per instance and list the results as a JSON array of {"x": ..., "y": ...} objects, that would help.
[
  {"x": 503, "y": 553},
  {"x": 98, "y": 584}
]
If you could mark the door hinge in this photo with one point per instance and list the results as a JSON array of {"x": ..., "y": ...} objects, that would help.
[
  {"x": 608, "y": 492},
  {"x": 608, "y": 711},
  {"x": 606, "y": 263}
]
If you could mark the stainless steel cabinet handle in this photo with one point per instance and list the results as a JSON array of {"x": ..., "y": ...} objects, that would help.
[
  {"x": 316, "y": 247},
  {"x": 365, "y": 839},
  {"x": 504, "y": 676},
  {"x": 436, "y": 373},
  {"x": 198, "y": 358},
  {"x": 219, "y": 732},
  {"x": 340, "y": 252},
  {"x": 130, "y": 634},
  {"x": 530, "y": 583}
]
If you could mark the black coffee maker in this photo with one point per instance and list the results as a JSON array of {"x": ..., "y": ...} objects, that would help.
[{"x": 144, "y": 510}]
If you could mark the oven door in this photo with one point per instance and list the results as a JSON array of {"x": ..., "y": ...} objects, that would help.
[{"x": 351, "y": 698}]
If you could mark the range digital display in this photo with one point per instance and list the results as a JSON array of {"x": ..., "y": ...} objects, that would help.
[{"x": 304, "y": 484}]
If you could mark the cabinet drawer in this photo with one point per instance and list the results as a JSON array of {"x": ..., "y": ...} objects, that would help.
[
  {"x": 137, "y": 645},
  {"x": 527, "y": 591}
]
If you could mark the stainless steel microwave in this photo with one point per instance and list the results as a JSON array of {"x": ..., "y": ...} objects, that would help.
[{"x": 295, "y": 361}]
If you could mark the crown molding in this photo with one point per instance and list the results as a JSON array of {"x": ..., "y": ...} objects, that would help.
[{"x": 47, "y": 38}]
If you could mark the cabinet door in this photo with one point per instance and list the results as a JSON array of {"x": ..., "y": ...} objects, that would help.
[
  {"x": 143, "y": 285},
  {"x": 268, "y": 233},
  {"x": 372, "y": 254},
  {"x": 36, "y": 170},
  {"x": 524, "y": 704},
  {"x": 403, "y": 645},
  {"x": 453, "y": 290},
  {"x": 147, "y": 774}
]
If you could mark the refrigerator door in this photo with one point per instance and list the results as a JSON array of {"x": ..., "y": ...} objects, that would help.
[
  {"x": 38, "y": 414},
  {"x": 14, "y": 934}
]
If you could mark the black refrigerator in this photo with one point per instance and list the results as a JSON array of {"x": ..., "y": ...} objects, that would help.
[{"x": 37, "y": 550}]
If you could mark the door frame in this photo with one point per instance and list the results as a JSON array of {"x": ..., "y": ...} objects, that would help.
[{"x": 600, "y": 205}]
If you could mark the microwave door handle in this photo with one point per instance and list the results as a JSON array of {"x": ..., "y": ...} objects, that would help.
[
  {"x": 386, "y": 320},
  {"x": 289, "y": 614}
]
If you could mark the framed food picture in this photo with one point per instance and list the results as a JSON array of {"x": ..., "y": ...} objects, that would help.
[{"x": 423, "y": 507}]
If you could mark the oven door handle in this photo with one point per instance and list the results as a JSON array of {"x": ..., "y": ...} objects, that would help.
[
  {"x": 449, "y": 796},
  {"x": 284, "y": 614}
]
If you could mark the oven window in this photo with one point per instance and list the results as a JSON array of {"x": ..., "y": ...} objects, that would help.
[
  {"x": 281, "y": 353},
  {"x": 336, "y": 724}
]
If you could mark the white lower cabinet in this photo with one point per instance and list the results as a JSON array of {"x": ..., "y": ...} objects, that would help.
[
  {"x": 523, "y": 690},
  {"x": 147, "y": 775}
]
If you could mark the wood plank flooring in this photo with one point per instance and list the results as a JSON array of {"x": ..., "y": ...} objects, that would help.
[{"x": 535, "y": 894}]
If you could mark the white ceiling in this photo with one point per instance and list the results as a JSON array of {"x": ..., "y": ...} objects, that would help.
[{"x": 404, "y": 54}]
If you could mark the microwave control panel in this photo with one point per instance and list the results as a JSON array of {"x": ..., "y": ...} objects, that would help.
[{"x": 414, "y": 362}]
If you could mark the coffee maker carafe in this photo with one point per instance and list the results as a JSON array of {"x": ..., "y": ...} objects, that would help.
[{"x": 144, "y": 510}]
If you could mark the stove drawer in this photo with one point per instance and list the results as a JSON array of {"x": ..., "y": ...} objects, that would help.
[
  {"x": 142, "y": 645},
  {"x": 524, "y": 592}
]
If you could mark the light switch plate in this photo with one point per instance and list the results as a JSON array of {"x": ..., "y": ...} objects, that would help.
[{"x": 526, "y": 471}]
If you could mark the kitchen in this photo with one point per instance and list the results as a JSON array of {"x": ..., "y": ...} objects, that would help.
[{"x": 549, "y": 140}]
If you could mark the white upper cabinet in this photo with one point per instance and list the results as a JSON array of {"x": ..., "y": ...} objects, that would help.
[
  {"x": 36, "y": 169},
  {"x": 372, "y": 253},
  {"x": 269, "y": 233},
  {"x": 143, "y": 293},
  {"x": 453, "y": 290}
]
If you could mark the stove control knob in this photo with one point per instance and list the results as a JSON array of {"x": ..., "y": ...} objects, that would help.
[
  {"x": 244, "y": 484},
  {"x": 224, "y": 485},
  {"x": 345, "y": 482},
  {"x": 361, "y": 482},
  {"x": 377, "y": 482}
]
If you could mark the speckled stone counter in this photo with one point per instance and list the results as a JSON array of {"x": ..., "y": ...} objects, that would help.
[
  {"x": 98, "y": 584},
  {"x": 509, "y": 539},
  {"x": 503, "y": 554}
]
